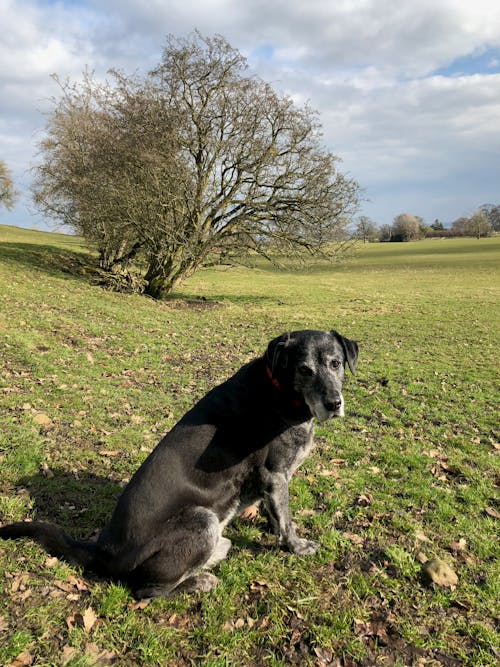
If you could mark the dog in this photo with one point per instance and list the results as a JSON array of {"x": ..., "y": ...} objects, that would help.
[{"x": 238, "y": 446}]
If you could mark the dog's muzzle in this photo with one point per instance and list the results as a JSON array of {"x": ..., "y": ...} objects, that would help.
[{"x": 327, "y": 409}]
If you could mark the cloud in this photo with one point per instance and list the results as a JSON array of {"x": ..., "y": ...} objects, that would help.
[{"x": 408, "y": 93}]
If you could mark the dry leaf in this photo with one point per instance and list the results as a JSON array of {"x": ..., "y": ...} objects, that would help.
[
  {"x": 353, "y": 537},
  {"x": 46, "y": 471},
  {"x": 137, "y": 419},
  {"x": 86, "y": 620},
  {"x": 325, "y": 658},
  {"x": 23, "y": 659},
  {"x": 458, "y": 547},
  {"x": 109, "y": 452},
  {"x": 63, "y": 585},
  {"x": 363, "y": 500},
  {"x": 79, "y": 584},
  {"x": 421, "y": 537},
  {"x": 141, "y": 604},
  {"x": 491, "y": 511},
  {"x": 100, "y": 656},
  {"x": 68, "y": 653},
  {"x": 89, "y": 619},
  {"x": 41, "y": 419}
]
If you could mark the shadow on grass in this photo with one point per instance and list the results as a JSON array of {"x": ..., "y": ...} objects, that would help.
[
  {"x": 79, "y": 505},
  {"x": 196, "y": 302},
  {"x": 82, "y": 506},
  {"x": 50, "y": 259}
]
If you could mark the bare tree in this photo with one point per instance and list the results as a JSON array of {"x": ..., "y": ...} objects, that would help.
[
  {"x": 365, "y": 229},
  {"x": 478, "y": 225},
  {"x": 406, "y": 227},
  {"x": 7, "y": 192},
  {"x": 492, "y": 212},
  {"x": 195, "y": 164}
]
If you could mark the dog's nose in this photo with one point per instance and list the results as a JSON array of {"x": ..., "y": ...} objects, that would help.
[{"x": 333, "y": 406}]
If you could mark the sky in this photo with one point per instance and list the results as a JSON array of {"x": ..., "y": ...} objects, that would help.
[{"x": 408, "y": 91}]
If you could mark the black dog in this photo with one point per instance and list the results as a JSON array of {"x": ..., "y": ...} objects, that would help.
[{"x": 239, "y": 445}]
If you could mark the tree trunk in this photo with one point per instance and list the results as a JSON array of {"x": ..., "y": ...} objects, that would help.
[{"x": 162, "y": 276}]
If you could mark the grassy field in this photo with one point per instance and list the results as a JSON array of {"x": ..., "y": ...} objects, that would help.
[{"x": 90, "y": 380}]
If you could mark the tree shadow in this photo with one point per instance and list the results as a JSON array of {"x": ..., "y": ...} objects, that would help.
[
  {"x": 53, "y": 260},
  {"x": 186, "y": 300}
]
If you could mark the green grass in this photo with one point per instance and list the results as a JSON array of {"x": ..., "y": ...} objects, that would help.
[{"x": 412, "y": 467}]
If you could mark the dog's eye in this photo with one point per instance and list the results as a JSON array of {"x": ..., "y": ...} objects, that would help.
[
  {"x": 305, "y": 370},
  {"x": 335, "y": 363}
]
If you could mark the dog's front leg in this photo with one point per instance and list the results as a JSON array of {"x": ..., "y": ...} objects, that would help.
[{"x": 277, "y": 507}]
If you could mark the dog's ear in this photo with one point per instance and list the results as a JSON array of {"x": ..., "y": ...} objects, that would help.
[
  {"x": 276, "y": 355},
  {"x": 350, "y": 348}
]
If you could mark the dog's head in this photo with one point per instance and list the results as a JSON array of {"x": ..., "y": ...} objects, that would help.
[{"x": 311, "y": 364}]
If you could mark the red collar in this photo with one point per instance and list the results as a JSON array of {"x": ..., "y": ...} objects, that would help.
[{"x": 296, "y": 402}]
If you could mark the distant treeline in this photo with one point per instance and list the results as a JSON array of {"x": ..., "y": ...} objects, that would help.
[{"x": 407, "y": 227}]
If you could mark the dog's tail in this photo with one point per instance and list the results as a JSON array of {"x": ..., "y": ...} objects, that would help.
[{"x": 57, "y": 543}]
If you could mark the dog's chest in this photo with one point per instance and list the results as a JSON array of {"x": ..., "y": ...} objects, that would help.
[{"x": 299, "y": 445}]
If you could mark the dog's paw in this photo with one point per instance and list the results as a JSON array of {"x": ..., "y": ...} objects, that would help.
[
  {"x": 304, "y": 547},
  {"x": 202, "y": 582}
]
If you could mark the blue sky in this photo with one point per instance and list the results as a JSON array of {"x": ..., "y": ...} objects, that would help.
[
  {"x": 485, "y": 61},
  {"x": 408, "y": 92}
]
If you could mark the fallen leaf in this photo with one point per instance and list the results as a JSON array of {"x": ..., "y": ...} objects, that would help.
[
  {"x": 100, "y": 656},
  {"x": 19, "y": 583},
  {"x": 46, "y": 471},
  {"x": 353, "y": 537},
  {"x": 337, "y": 462},
  {"x": 78, "y": 620},
  {"x": 325, "y": 657},
  {"x": 79, "y": 584},
  {"x": 67, "y": 654},
  {"x": 137, "y": 419},
  {"x": 109, "y": 452},
  {"x": 41, "y": 419},
  {"x": 23, "y": 659},
  {"x": 141, "y": 604},
  {"x": 63, "y": 585},
  {"x": 458, "y": 547},
  {"x": 440, "y": 573},
  {"x": 491, "y": 511},
  {"x": 89, "y": 619},
  {"x": 421, "y": 537}
]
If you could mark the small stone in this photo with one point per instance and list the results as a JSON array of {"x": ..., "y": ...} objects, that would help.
[{"x": 440, "y": 573}]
